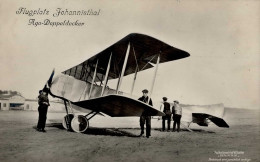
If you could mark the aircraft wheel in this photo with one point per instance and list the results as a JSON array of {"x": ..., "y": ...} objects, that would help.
[
  {"x": 67, "y": 118},
  {"x": 79, "y": 124}
]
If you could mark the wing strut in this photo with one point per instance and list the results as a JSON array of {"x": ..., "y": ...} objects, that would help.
[
  {"x": 93, "y": 80},
  {"x": 148, "y": 63},
  {"x": 136, "y": 70},
  {"x": 154, "y": 77},
  {"x": 132, "y": 89},
  {"x": 123, "y": 69},
  {"x": 108, "y": 68}
]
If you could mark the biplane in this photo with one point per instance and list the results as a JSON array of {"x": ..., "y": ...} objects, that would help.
[{"x": 84, "y": 86}]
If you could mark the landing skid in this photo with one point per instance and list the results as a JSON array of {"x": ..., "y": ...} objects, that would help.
[{"x": 183, "y": 125}]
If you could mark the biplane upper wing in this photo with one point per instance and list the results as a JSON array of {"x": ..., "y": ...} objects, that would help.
[
  {"x": 118, "y": 106},
  {"x": 143, "y": 49}
]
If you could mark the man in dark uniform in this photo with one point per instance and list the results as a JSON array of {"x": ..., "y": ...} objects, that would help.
[
  {"x": 43, "y": 102},
  {"x": 167, "y": 110},
  {"x": 144, "y": 118}
]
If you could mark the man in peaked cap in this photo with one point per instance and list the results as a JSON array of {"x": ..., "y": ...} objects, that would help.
[
  {"x": 43, "y": 102},
  {"x": 145, "y": 91},
  {"x": 144, "y": 118}
]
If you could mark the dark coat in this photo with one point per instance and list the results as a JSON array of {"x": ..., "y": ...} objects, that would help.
[
  {"x": 167, "y": 108},
  {"x": 43, "y": 100},
  {"x": 145, "y": 100}
]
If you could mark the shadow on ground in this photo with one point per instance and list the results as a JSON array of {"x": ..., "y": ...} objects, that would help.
[
  {"x": 117, "y": 131},
  {"x": 100, "y": 131},
  {"x": 194, "y": 130}
]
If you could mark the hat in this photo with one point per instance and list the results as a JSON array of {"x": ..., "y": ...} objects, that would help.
[
  {"x": 145, "y": 91},
  {"x": 164, "y": 98}
]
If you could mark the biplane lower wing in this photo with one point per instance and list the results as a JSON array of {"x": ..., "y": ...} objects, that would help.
[
  {"x": 76, "y": 91},
  {"x": 118, "y": 106}
]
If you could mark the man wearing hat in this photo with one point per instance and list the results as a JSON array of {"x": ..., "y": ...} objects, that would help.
[
  {"x": 166, "y": 107},
  {"x": 43, "y": 102},
  {"x": 177, "y": 113},
  {"x": 144, "y": 118}
]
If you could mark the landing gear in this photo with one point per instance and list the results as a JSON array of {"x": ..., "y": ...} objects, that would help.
[
  {"x": 76, "y": 123},
  {"x": 79, "y": 124},
  {"x": 66, "y": 122}
]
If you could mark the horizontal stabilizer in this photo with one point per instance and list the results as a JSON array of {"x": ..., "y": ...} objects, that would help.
[
  {"x": 203, "y": 120},
  {"x": 219, "y": 122},
  {"x": 203, "y": 124},
  {"x": 200, "y": 119}
]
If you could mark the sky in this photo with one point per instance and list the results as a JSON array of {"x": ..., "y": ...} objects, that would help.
[{"x": 222, "y": 38}]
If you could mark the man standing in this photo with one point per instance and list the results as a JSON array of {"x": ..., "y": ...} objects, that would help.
[
  {"x": 177, "y": 113},
  {"x": 43, "y": 102},
  {"x": 167, "y": 110},
  {"x": 144, "y": 118}
]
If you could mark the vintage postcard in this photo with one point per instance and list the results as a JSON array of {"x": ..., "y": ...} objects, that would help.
[{"x": 169, "y": 80}]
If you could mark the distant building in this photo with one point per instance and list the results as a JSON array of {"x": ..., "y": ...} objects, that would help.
[
  {"x": 31, "y": 104},
  {"x": 11, "y": 102}
]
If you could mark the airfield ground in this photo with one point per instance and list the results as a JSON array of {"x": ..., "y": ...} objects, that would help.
[{"x": 115, "y": 139}]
